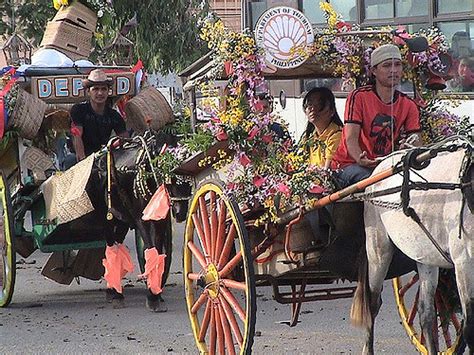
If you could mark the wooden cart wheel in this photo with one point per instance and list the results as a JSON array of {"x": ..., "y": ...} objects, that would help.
[
  {"x": 164, "y": 245},
  {"x": 449, "y": 319},
  {"x": 218, "y": 273},
  {"x": 7, "y": 247}
]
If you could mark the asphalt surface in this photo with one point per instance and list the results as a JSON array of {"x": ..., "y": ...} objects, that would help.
[{"x": 48, "y": 318}]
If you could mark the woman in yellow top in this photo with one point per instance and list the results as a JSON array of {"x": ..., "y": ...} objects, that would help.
[
  {"x": 324, "y": 128},
  {"x": 320, "y": 140}
]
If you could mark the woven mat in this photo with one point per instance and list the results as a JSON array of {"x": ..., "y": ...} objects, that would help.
[
  {"x": 37, "y": 161},
  {"x": 64, "y": 194}
]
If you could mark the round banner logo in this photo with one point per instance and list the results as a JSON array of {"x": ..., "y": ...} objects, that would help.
[{"x": 281, "y": 29}]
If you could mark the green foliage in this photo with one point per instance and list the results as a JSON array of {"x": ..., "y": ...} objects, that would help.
[
  {"x": 167, "y": 35},
  {"x": 166, "y": 38},
  {"x": 8, "y": 138},
  {"x": 199, "y": 141},
  {"x": 28, "y": 18}
]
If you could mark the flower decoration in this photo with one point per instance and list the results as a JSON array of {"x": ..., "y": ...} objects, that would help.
[
  {"x": 266, "y": 164},
  {"x": 336, "y": 49},
  {"x": 100, "y": 7},
  {"x": 437, "y": 122},
  {"x": 266, "y": 170}
]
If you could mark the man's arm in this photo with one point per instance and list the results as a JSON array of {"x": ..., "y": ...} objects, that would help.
[
  {"x": 79, "y": 144},
  {"x": 353, "y": 147},
  {"x": 412, "y": 128}
]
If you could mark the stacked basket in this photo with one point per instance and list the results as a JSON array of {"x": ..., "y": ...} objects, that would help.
[
  {"x": 149, "y": 109},
  {"x": 71, "y": 30}
]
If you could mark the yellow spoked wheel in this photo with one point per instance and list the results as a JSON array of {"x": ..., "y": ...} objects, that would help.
[
  {"x": 7, "y": 262},
  {"x": 218, "y": 273},
  {"x": 447, "y": 330}
]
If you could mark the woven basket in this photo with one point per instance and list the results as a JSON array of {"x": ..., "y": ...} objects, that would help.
[
  {"x": 28, "y": 114},
  {"x": 65, "y": 35},
  {"x": 79, "y": 14},
  {"x": 149, "y": 105}
]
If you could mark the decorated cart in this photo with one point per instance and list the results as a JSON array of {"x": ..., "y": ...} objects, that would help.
[
  {"x": 49, "y": 202},
  {"x": 249, "y": 220}
]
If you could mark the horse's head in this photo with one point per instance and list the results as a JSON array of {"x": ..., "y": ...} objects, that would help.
[{"x": 180, "y": 194}]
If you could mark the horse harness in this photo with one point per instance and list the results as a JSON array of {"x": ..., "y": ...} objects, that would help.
[
  {"x": 408, "y": 165},
  {"x": 139, "y": 168}
]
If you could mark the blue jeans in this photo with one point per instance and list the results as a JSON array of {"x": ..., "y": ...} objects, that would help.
[{"x": 351, "y": 174}]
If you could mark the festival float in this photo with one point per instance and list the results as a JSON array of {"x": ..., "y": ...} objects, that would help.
[
  {"x": 246, "y": 226},
  {"x": 45, "y": 204}
]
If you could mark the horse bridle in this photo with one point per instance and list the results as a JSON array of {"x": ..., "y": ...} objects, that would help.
[{"x": 409, "y": 164}]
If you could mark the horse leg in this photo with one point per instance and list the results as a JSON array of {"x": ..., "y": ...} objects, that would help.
[
  {"x": 426, "y": 309},
  {"x": 154, "y": 267},
  {"x": 461, "y": 249},
  {"x": 465, "y": 284},
  {"x": 379, "y": 251},
  {"x": 117, "y": 264}
]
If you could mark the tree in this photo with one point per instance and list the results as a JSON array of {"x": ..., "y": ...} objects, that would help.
[
  {"x": 28, "y": 18},
  {"x": 166, "y": 37}
]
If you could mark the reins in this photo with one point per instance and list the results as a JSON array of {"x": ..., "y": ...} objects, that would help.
[
  {"x": 143, "y": 158},
  {"x": 409, "y": 164}
]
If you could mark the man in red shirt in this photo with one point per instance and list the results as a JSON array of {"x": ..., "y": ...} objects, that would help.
[{"x": 375, "y": 118}]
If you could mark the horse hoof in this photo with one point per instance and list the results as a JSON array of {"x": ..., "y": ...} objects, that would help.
[
  {"x": 112, "y": 296},
  {"x": 118, "y": 303},
  {"x": 156, "y": 304}
]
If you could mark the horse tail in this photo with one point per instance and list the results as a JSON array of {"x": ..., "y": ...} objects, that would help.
[{"x": 361, "y": 316}]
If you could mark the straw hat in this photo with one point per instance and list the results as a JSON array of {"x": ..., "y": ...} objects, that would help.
[{"x": 96, "y": 77}]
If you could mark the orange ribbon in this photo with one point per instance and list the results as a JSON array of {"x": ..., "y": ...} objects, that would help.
[
  {"x": 117, "y": 264},
  {"x": 154, "y": 269}
]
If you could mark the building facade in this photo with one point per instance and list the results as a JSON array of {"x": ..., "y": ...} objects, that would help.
[
  {"x": 229, "y": 11},
  {"x": 455, "y": 18}
]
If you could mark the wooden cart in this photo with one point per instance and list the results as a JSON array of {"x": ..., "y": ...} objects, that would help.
[
  {"x": 24, "y": 222},
  {"x": 226, "y": 256}
]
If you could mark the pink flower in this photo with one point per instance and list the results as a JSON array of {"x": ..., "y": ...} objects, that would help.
[
  {"x": 221, "y": 135},
  {"x": 229, "y": 69},
  {"x": 258, "y": 106},
  {"x": 258, "y": 181},
  {"x": 316, "y": 189},
  {"x": 343, "y": 26},
  {"x": 283, "y": 188},
  {"x": 253, "y": 132},
  {"x": 244, "y": 160},
  {"x": 267, "y": 138},
  {"x": 75, "y": 131}
]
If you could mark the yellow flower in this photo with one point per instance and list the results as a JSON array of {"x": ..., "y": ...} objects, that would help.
[{"x": 58, "y": 3}]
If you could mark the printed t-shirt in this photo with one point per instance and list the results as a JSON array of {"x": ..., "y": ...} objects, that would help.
[
  {"x": 323, "y": 146},
  {"x": 96, "y": 128},
  {"x": 365, "y": 108}
]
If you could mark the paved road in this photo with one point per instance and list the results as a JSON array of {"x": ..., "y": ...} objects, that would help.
[{"x": 46, "y": 317}]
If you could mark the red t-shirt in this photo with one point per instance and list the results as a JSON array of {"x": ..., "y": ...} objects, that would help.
[{"x": 365, "y": 108}]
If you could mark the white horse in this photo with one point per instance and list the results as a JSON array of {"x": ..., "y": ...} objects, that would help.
[{"x": 448, "y": 220}]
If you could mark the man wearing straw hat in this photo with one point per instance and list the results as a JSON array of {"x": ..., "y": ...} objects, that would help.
[
  {"x": 92, "y": 124},
  {"x": 94, "y": 120},
  {"x": 376, "y": 117}
]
